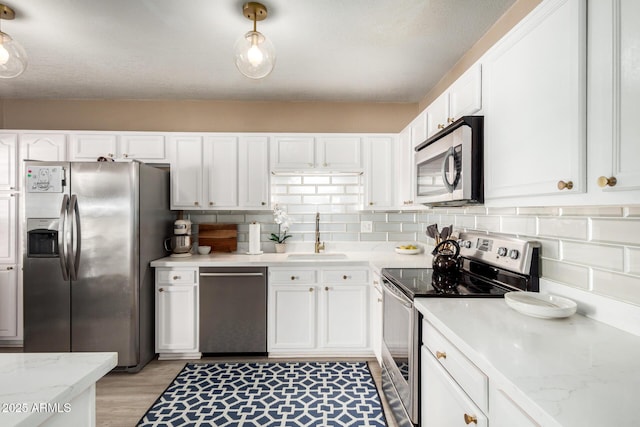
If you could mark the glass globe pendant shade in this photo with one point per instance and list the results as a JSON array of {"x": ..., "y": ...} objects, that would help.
[
  {"x": 13, "y": 58},
  {"x": 255, "y": 55}
]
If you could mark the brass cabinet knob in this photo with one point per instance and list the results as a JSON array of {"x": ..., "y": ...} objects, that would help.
[
  {"x": 176, "y": 277},
  {"x": 345, "y": 277},
  {"x": 210, "y": 203},
  {"x": 325, "y": 164},
  {"x": 450, "y": 120},
  {"x": 603, "y": 181},
  {"x": 440, "y": 126},
  {"x": 263, "y": 203},
  {"x": 293, "y": 277},
  {"x": 370, "y": 203},
  {"x": 196, "y": 204},
  {"x": 379, "y": 299},
  {"x": 468, "y": 419},
  {"x": 562, "y": 185},
  {"x": 326, "y": 288},
  {"x": 125, "y": 155},
  {"x": 310, "y": 289},
  {"x": 9, "y": 268},
  {"x": 441, "y": 355},
  {"x": 110, "y": 154},
  {"x": 161, "y": 290}
]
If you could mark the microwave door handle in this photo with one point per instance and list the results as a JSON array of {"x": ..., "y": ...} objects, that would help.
[
  {"x": 62, "y": 241},
  {"x": 450, "y": 186},
  {"x": 74, "y": 242}
]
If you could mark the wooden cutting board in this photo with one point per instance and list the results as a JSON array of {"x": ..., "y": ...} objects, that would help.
[{"x": 221, "y": 237}]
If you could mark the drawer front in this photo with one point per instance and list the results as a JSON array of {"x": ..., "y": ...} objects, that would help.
[
  {"x": 176, "y": 276},
  {"x": 292, "y": 276},
  {"x": 465, "y": 373},
  {"x": 344, "y": 275}
]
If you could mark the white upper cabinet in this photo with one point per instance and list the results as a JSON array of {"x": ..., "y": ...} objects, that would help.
[
  {"x": 379, "y": 175},
  {"x": 8, "y": 161},
  {"x": 253, "y": 173},
  {"x": 462, "y": 98},
  {"x": 535, "y": 105},
  {"x": 186, "y": 172},
  {"x": 614, "y": 96},
  {"x": 418, "y": 129},
  {"x": 145, "y": 147},
  {"x": 220, "y": 154},
  {"x": 304, "y": 153},
  {"x": 405, "y": 175},
  {"x": 8, "y": 229},
  {"x": 43, "y": 146}
]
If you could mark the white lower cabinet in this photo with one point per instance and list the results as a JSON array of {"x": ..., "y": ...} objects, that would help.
[
  {"x": 505, "y": 412},
  {"x": 376, "y": 317},
  {"x": 177, "y": 310},
  {"x": 318, "y": 311},
  {"x": 8, "y": 302}
]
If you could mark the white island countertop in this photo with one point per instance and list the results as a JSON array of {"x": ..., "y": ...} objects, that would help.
[
  {"x": 37, "y": 386},
  {"x": 564, "y": 372}
]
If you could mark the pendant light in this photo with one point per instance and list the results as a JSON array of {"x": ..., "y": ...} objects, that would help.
[
  {"x": 254, "y": 53},
  {"x": 13, "y": 58}
]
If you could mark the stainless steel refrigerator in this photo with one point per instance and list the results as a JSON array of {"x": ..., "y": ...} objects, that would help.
[{"x": 91, "y": 230}]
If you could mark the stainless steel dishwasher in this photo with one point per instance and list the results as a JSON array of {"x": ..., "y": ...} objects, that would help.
[{"x": 233, "y": 310}]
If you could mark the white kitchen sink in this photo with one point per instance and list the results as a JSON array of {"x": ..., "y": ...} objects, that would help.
[{"x": 317, "y": 256}]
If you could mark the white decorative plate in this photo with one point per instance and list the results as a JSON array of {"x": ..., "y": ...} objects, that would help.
[
  {"x": 408, "y": 251},
  {"x": 544, "y": 306}
]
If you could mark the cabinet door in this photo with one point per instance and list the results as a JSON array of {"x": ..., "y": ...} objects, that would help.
[
  {"x": 221, "y": 172},
  {"x": 292, "y": 317},
  {"x": 8, "y": 227},
  {"x": 91, "y": 146},
  {"x": 442, "y": 401},
  {"x": 614, "y": 98},
  {"x": 176, "y": 317},
  {"x": 465, "y": 94},
  {"x": 342, "y": 153},
  {"x": 535, "y": 104},
  {"x": 343, "y": 319},
  {"x": 39, "y": 146},
  {"x": 8, "y": 301},
  {"x": 8, "y": 161},
  {"x": 438, "y": 114},
  {"x": 146, "y": 148},
  {"x": 418, "y": 129},
  {"x": 379, "y": 172},
  {"x": 253, "y": 173},
  {"x": 292, "y": 152},
  {"x": 505, "y": 412},
  {"x": 186, "y": 172},
  {"x": 405, "y": 162}
]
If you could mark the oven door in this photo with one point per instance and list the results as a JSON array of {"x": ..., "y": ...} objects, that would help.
[{"x": 400, "y": 354}]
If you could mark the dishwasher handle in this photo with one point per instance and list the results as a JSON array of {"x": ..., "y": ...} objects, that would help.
[{"x": 231, "y": 275}]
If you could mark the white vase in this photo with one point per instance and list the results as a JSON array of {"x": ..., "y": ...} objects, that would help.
[{"x": 281, "y": 248}]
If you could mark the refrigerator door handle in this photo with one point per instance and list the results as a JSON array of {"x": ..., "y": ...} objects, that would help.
[
  {"x": 62, "y": 232},
  {"x": 74, "y": 242}
]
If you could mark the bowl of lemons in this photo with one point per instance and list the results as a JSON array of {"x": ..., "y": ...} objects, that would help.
[{"x": 408, "y": 249}]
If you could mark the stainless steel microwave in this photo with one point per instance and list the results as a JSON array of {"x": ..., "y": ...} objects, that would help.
[{"x": 449, "y": 165}]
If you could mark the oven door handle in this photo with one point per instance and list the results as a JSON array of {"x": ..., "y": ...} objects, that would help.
[{"x": 392, "y": 291}]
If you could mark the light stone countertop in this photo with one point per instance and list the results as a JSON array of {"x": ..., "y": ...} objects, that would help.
[
  {"x": 28, "y": 379},
  {"x": 563, "y": 372},
  {"x": 374, "y": 259}
]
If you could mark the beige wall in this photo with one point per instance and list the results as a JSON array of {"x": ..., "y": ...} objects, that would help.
[
  {"x": 205, "y": 116},
  {"x": 519, "y": 10},
  {"x": 229, "y": 116}
]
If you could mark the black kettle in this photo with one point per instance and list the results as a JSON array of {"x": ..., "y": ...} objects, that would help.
[{"x": 445, "y": 257}]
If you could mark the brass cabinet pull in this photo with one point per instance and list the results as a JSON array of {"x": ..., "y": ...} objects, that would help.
[
  {"x": 196, "y": 204},
  {"x": 441, "y": 355},
  {"x": 9, "y": 268},
  {"x": 210, "y": 203},
  {"x": 125, "y": 155},
  {"x": 161, "y": 290},
  {"x": 370, "y": 203},
  {"x": 562, "y": 185},
  {"x": 468, "y": 419},
  {"x": 440, "y": 126},
  {"x": 263, "y": 203},
  {"x": 176, "y": 277},
  {"x": 450, "y": 120},
  {"x": 603, "y": 181}
]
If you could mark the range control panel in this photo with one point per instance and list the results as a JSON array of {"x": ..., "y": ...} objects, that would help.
[{"x": 506, "y": 252}]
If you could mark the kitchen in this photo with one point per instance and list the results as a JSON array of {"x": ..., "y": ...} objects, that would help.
[{"x": 590, "y": 249}]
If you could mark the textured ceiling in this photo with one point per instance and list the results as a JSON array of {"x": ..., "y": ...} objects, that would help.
[{"x": 327, "y": 50}]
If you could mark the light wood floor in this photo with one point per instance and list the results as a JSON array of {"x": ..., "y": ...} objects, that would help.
[{"x": 122, "y": 399}]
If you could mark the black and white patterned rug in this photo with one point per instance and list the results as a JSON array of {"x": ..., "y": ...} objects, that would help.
[{"x": 269, "y": 394}]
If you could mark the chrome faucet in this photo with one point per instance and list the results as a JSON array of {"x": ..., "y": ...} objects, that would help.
[{"x": 319, "y": 246}]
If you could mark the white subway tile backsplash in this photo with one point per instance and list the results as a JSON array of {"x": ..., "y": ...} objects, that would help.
[
  {"x": 571, "y": 228},
  {"x": 345, "y": 180},
  {"x": 346, "y": 199},
  {"x": 315, "y": 200},
  {"x": 488, "y": 223},
  {"x": 284, "y": 180},
  {"x": 608, "y": 257},
  {"x": 624, "y": 231},
  {"x": 283, "y": 199},
  {"x": 297, "y": 189},
  {"x": 330, "y": 189},
  {"x": 401, "y": 237},
  {"x": 316, "y": 180},
  {"x": 618, "y": 286},
  {"x": 539, "y": 211},
  {"x": 592, "y": 211},
  {"x": 465, "y": 221},
  {"x": 549, "y": 248},
  {"x": 387, "y": 226},
  {"x": 401, "y": 217},
  {"x": 632, "y": 211},
  {"x": 502, "y": 211},
  {"x": 568, "y": 274},
  {"x": 632, "y": 261},
  {"x": 518, "y": 225}
]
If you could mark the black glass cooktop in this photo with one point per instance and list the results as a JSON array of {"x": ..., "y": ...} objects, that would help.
[{"x": 425, "y": 282}]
